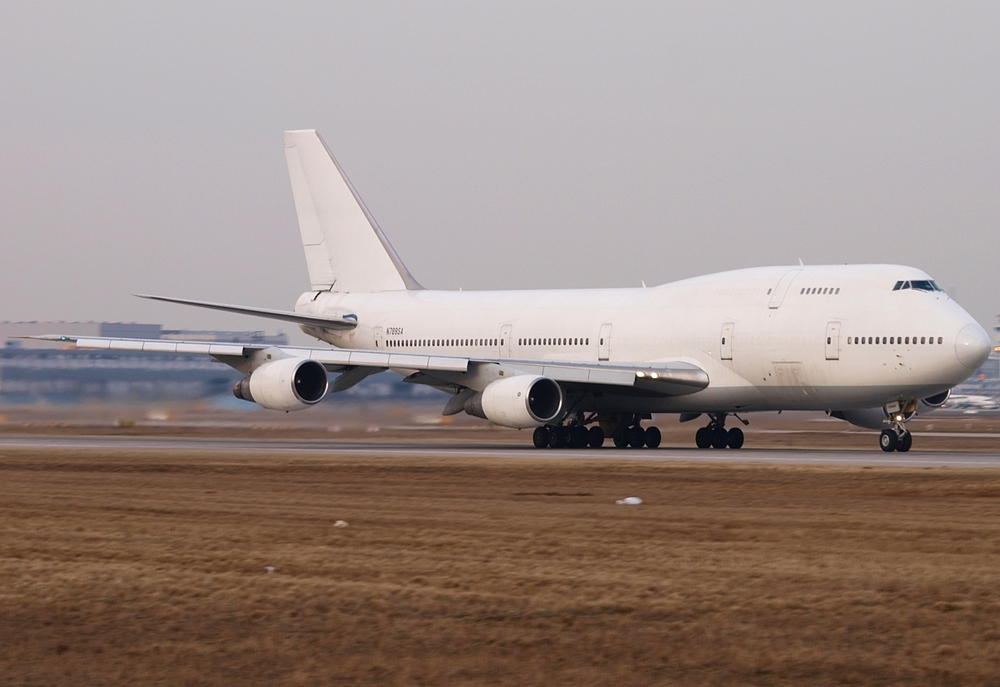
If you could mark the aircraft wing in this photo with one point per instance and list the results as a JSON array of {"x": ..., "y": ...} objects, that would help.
[
  {"x": 345, "y": 322},
  {"x": 672, "y": 378}
]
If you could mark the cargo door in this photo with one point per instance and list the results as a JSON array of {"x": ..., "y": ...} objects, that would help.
[
  {"x": 833, "y": 341},
  {"x": 604, "y": 342},
  {"x": 727, "y": 340}
]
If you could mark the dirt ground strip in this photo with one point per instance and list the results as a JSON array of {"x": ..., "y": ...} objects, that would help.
[{"x": 152, "y": 568}]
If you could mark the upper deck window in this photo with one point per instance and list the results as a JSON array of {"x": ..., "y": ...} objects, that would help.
[{"x": 917, "y": 285}]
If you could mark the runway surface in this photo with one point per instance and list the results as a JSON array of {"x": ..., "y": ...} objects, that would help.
[{"x": 389, "y": 449}]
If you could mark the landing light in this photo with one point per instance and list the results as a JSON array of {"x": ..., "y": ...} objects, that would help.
[
  {"x": 640, "y": 374},
  {"x": 654, "y": 375}
]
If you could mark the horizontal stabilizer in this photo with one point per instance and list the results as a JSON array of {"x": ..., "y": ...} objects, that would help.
[{"x": 345, "y": 322}]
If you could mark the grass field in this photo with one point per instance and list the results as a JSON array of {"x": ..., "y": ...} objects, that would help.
[{"x": 151, "y": 568}]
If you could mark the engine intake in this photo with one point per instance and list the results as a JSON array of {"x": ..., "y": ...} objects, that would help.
[
  {"x": 289, "y": 384},
  {"x": 519, "y": 402}
]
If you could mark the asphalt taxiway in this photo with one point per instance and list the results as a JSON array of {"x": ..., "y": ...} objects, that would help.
[{"x": 341, "y": 448}]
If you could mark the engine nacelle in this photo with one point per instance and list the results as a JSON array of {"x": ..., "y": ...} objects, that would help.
[
  {"x": 519, "y": 402},
  {"x": 288, "y": 384}
]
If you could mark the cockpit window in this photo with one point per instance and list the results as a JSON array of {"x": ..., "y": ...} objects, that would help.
[{"x": 917, "y": 285}]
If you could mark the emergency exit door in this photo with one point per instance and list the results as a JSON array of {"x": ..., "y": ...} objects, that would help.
[
  {"x": 833, "y": 341},
  {"x": 726, "y": 342},
  {"x": 604, "y": 342}
]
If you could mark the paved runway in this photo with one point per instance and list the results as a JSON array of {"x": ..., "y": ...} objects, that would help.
[{"x": 470, "y": 449}]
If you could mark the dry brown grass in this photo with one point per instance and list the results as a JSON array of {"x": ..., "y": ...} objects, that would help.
[{"x": 149, "y": 568}]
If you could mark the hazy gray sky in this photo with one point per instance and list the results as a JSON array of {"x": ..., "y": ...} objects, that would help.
[{"x": 513, "y": 145}]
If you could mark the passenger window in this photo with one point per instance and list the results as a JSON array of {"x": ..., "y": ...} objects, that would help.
[
  {"x": 838, "y": 290},
  {"x": 828, "y": 340},
  {"x": 802, "y": 291},
  {"x": 923, "y": 339},
  {"x": 883, "y": 339},
  {"x": 892, "y": 339},
  {"x": 869, "y": 339},
  {"x": 940, "y": 339},
  {"x": 907, "y": 340}
]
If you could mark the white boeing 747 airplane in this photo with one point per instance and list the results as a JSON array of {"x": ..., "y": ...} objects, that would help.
[{"x": 870, "y": 344}]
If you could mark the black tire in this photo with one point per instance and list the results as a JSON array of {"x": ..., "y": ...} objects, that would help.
[
  {"x": 720, "y": 438},
  {"x": 703, "y": 438},
  {"x": 905, "y": 442},
  {"x": 735, "y": 438},
  {"x": 595, "y": 437},
  {"x": 636, "y": 437},
  {"x": 541, "y": 437},
  {"x": 557, "y": 437},
  {"x": 621, "y": 439},
  {"x": 578, "y": 436},
  {"x": 888, "y": 441},
  {"x": 653, "y": 437}
]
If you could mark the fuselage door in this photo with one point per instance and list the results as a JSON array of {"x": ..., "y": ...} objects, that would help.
[
  {"x": 378, "y": 337},
  {"x": 833, "y": 341},
  {"x": 505, "y": 341},
  {"x": 727, "y": 341},
  {"x": 604, "y": 342},
  {"x": 779, "y": 291}
]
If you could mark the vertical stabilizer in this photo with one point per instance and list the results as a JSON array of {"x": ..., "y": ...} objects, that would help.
[{"x": 345, "y": 249}]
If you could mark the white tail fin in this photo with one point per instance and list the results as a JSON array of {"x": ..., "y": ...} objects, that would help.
[{"x": 345, "y": 249}]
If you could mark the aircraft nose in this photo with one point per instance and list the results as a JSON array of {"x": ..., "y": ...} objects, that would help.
[{"x": 972, "y": 346}]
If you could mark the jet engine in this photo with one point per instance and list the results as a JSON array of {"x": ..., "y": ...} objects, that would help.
[
  {"x": 288, "y": 384},
  {"x": 520, "y": 401},
  {"x": 874, "y": 418}
]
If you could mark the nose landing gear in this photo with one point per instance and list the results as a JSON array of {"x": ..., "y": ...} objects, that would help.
[
  {"x": 897, "y": 437},
  {"x": 714, "y": 435},
  {"x": 895, "y": 440}
]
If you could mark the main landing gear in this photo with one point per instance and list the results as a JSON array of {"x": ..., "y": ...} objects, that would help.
[
  {"x": 577, "y": 435},
  {"x": 714, "y": 435}
]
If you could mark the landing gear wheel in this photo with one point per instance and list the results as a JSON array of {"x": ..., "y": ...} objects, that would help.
[
  {"x": 703, "y": 437},
  {"x": 905, "y": 442},
  {"x": 636, "y": 436},
  {"x": 653, "y": 437},
  {"x": 888, "y": 440},
  {"x": 720, "y": 438},
  {"x": 541, "y": 437},
  {"x": 621, "y": 439},
  {"x": 578, "y": 436},
  {"x": 595, "y": 437},
  {"x": 735, "y": 438},
  {"x": 557, "y": 437}
]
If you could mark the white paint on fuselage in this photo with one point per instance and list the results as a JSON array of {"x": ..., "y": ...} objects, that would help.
[{"x": 779, "y": 354}]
